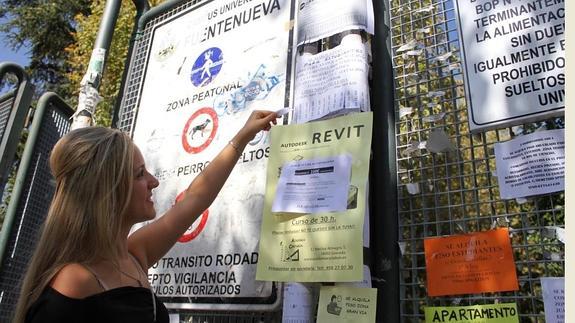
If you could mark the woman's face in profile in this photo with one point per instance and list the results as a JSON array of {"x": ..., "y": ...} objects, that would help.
[{"x": 141, "y": 206}]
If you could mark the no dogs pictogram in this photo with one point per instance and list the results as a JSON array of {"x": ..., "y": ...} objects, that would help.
[{"x": 200, "y": 130}]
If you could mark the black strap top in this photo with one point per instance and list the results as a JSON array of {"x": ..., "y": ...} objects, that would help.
[{"x": 124, "y": 304}]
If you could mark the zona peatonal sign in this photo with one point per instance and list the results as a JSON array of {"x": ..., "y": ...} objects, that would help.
[
  {"x": 514, "y": 58},
  {"x": 207, "y": 68}
]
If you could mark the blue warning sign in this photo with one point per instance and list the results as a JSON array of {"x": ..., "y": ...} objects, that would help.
[{"x": 207, "y": 66}]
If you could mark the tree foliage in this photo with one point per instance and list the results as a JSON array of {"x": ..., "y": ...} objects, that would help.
[
  {"x": 46, "y": 27},
  {"x": 80, "y": 50},
  {"x": 61, "y": 35}
]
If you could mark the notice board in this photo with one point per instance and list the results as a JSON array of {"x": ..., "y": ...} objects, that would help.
[
  {"x": 208, "y": 68},
  {"x": 514, "y": 60}
]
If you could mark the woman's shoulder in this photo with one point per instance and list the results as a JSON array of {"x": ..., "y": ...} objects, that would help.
[{"x": 76, "y": 281}]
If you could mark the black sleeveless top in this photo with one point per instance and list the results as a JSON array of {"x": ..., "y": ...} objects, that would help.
[{"x": 123, "y": 304}]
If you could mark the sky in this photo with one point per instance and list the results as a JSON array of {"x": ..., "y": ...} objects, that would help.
[{"x": 8, "y": 54}]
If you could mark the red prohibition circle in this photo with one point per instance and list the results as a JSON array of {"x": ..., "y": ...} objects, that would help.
[
  {"x": 187, "y": 237},
  {"x": 187, "y": 146}
]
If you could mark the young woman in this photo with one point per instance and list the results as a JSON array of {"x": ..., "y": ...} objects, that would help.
[{"x": 86, "y": 268}]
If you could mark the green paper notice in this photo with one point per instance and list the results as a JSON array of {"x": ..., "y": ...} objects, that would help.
[
  {"x": 320, "y": 245},
  {"x": 491, "y": 313},
  {"x": 346, "y": 304}
]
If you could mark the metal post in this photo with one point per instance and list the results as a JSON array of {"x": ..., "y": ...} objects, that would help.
[
  {"x": 89, "y": 96},
  {"x": 13, "y": 129},
  {"x": 384, "y": 225}
]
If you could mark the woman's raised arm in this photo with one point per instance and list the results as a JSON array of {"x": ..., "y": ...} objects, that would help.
[{"x": 151, "y": 242}]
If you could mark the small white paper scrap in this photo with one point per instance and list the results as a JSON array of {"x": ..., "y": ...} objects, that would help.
[
  {"x": 434, "y": 94},
  {"x": 453, "y": 66},
  {"x": 408, "y": 46},
  {"x": 174, "y": 318},
  {"x": 434, "y": 117},
  {"x": 415, "y": 52},
  {"x": 521, "y": 200},
  {"x": 405, "y": 112},
  {"x": 424, "y": 9},
  {"x": 412, "y": 188},
  {"x": 430, "y": 186},
  {"x": 443, "y": 57},
  {"x": 414, "y": 148},
  {"x": 402, "y": 246},
  {"x": 438, "y": 142},
  {"x": 282, "y": 112},
  {"x": 560, "y": 234}
]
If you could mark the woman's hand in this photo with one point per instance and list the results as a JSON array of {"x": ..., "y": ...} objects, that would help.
[{"x": 259, "y": 120}]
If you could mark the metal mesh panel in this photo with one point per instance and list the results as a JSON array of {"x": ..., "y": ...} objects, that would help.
[
  {"x": 31, "y": 212},
  {"x": 133, "y": 90},
  {"x": 458, "y": 191},
  {"x": 6, "y": 104}
]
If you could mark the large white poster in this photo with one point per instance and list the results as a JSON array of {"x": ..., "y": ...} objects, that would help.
[
  {"x": 208, "y": 68},
  {"x": 514, "y": 57},
  {"x": 531, "y": 165},
  {"x": 333, "y": 82}
]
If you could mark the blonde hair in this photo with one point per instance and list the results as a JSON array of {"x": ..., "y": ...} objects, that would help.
[{"x": 93, "y": 168}]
